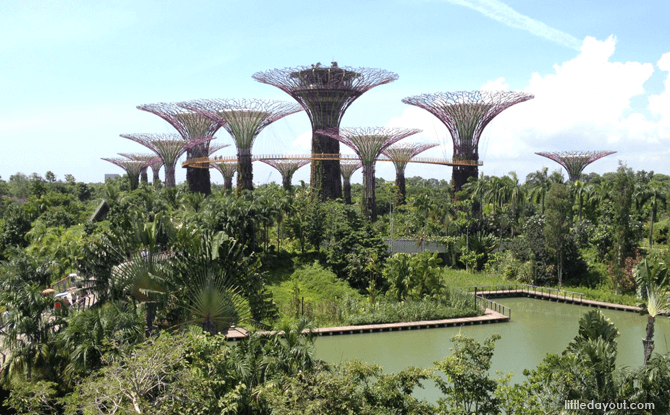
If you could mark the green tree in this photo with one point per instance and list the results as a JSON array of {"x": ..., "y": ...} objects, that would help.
[
  {"x": 623, "y": 232},
  {"x": 653, "y": 288},
  {"x": 468, "y": 388},
  {"x": 557, "y": 224}
]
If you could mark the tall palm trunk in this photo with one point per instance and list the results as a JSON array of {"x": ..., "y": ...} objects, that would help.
[
  {"x": 648, "y": 341},
  {"x": 651, "y": 227}
]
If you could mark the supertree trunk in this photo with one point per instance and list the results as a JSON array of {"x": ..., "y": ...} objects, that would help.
[
  {"x": 325, "y": 174},
  {"x": 134, "y": 181},
  {"x": 169, "y": 176},
  {"x": 245, "y": 175},
  {"x": 369, "y": 202},
  {"x": 400, "y": 184},
  {"x": 286, "y": 183},
  {"x": 461, "y": 174},
  {"x": 144, "y": 175},
  {"x": 198, "y": 180},
  {"x": 156, "y": 178},
  {"x": 347, "y": 191},
  {"x": 228, "y": 184}
]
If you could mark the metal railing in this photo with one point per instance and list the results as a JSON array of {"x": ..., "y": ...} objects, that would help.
[
  {"x": 492, "y": 305},
  {"x": 529, "y": 289}
]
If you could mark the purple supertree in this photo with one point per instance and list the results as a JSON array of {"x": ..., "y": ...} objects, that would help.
[
  {"x": 466, "y": 114},
  {"x": 141, "y": 157},
  {"x": 347, "y": 169},
  {"x": 227, "y": 169},
  {"x": 287, "y": 168},
  {"x": 132, "y": 168},
  {"x": 244, "y": 119},
  {"x": 155, "y": 168},
  {"x": 369, "y": 143},
  {"x": 169, "y": 147},
  {"x": 401, "y": 154},
  {"x": 325, "y": 92},
  {"x": 191, "y": 126},
  {"x": 575, "y": 161}
]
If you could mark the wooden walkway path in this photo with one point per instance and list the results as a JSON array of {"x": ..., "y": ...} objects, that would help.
[
  {"x": 490, "y": 316},
  {"x": 554, "y": 295}
]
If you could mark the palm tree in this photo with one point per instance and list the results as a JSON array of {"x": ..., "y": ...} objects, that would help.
[
  {"x": 83, "y": 338},
  {"x": 477, "y": 188},
  {"x": 653, "y": 193},
  {"x": 539, "y": 184},
  {"x": 653, "y": 288}
]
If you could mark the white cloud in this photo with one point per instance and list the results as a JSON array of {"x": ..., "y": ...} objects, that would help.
[
  {"x": 584, "y": 104},
  {"x": 501, "y": 12}
]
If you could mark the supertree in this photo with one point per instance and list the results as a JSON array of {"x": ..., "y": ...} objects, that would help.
[
  {"x": 347, "y": 169},
  {"x": 369, "y": 143},
  {"x": 191, "y": 126},
  {"x": 287, "y": 168},
  {"x": 575, "y": 161},
  {"x": 132, "y": 168},
  {"x": 401, "y": 154},
  {"x": 244, "y": 119},
  {"x": 155, "y": 168},
  {"x": 325, "y": 92},
  {"x": 142, "y": 157},
  {"x": 214, "y": 147},
  {"x": 169, "y": 147},
  {"x": 227, "y": 169},
  {"x": 466, "y": 114}
]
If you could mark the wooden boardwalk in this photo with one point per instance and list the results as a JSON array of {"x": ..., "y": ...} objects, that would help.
[
  {"x": 555, "y": 296},
  {"x": 490, "y": 316}
]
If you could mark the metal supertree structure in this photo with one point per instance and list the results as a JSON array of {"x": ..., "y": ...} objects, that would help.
[
  {"x": 347, "y": 169},
  {"x": 369, "y": 143},
  {"x": 325, "y": 92},
  {"x": 244, "y": 119},
  {"x": 132, "y": 168},
  {"x": 141, "y": 157},
  {"x": 191, "y": 126},
  {"x": 169, "y": 147},
  {"x": 286, "y": 168},
  {"x": 227, "y": 169},
  {"x": 466, "y": 114},
  {"x": 575, "y": 161},
  {"x": 214, "y": 147},
  {"x": 401, "y": 154},
  {"x": 155, "y": 168}
]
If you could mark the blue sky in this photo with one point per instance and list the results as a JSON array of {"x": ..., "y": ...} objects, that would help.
[{"x": 72, "y": 73}]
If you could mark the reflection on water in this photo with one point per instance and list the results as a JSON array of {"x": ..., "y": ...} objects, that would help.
[{"x": 538, "y": 327}]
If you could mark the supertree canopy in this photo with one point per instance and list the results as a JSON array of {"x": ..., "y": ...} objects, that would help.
[
  {"x": 325, "y": 92},
  {"x": 400, "y": 154},
  {"x": 575, "y": 161},
  {"x": 214, "y": 147},
  {"x": 132, "y": 168},
  {"x": 368, "y": 144},
  {"x": 191, "y": 126},
  {"x": 169, "y": 147},
  {"x": 227, "y": 169},
  {"x": 141, "y": 157},
  {"x": 287, "y": 168},
  {"x": 244, "y": 119},
  {"x": 466, "y": 114},
  {"x": 347, "y": 168}
]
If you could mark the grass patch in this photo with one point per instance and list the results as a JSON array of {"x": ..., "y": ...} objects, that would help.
[
  {"x": 601, "y": 294},
  {"x": 461, "y": 278}
]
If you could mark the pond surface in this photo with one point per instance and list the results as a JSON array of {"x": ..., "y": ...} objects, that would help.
[{"x": 538, "y": 327}]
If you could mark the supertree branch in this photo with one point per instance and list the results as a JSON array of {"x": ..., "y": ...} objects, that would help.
[
  {"x": 244, "y": 119},
  {"x": 142, "y": 157},
  {"x": 325, "y": 92},
  {"x": 575, "y": 161},
  {"x": 347, "y": 168},
  {"x": 169, "y": 147},
  {"x": 466, "y": 114},
  {"x": 369, "y": 143},
  {"x": 401, "y": 154},
  {"x": 213, "y": 148},
  {"x": 132, "y": 168},
  {"x": 227, "y": 169},
  {"x": 286, "y": 168},
  {"x": 191, "y": 126}
]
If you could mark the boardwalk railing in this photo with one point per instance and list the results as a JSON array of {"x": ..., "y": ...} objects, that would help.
[
  {"x": 527, "y": 289},
  {"x": 490, "y": 304}
]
